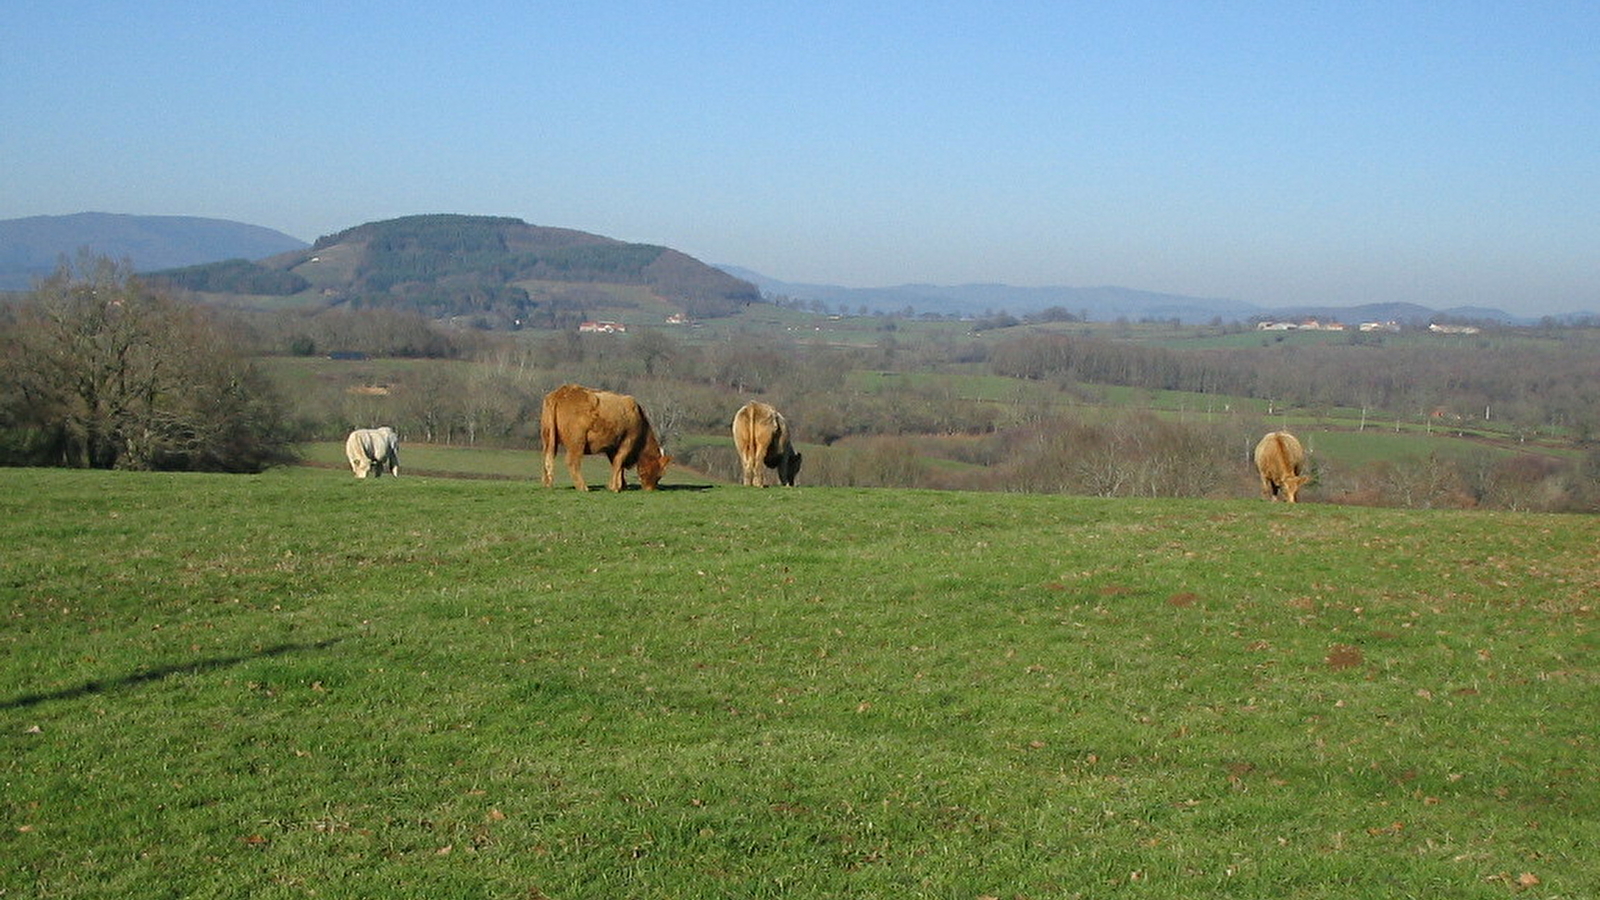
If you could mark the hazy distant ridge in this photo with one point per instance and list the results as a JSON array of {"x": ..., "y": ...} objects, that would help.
[
  {"x": 1101, "y": 304},
  {"x": 31, "y": 247}
]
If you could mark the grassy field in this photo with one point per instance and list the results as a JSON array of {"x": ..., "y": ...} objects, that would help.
[
  {"x": 456, "y": 461},
  {"x": 302, "y": 684}
]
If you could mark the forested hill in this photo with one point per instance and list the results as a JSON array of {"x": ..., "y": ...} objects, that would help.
[{"x": 498, "y": 270}]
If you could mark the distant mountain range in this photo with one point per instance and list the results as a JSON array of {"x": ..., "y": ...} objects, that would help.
[
  {"x": 1098, "y": 304},
  {"x": 491, "y": 271},
  {"x": 469, "y": 263},
  {"x": 32, "y": 247}
]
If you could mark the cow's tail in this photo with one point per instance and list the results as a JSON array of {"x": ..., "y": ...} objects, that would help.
[
  {"x": 547, "y": 439},
  {"x": 744, "y": 431},
  {"x": 1292, "y": 453}
]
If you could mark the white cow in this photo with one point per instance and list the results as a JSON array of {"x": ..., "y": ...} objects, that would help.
[{"x": 373, "y": 450}]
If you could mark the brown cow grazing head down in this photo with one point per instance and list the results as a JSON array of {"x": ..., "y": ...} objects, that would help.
[
  {"x": 585, "y": 421},
  {"x": 1282, "y": 463},
  {"x": 761, "y": 435}
]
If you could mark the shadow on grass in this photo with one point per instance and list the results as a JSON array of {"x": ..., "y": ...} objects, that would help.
[{"x": 102, "y": 685}]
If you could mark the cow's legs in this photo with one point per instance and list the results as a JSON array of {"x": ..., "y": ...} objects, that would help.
[
  {"x": 758, "y": 465},
  {"x": 575, "y": 466},
  {"x": 627, "y": 448},
  {"x": 617, "y": 482}
]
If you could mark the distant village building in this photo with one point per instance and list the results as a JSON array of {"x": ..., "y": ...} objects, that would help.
[
  {"x": 602, "y": 328},
  {"x": 1390, "y": 326},
  {"x": 1306, "y": 325},
  {"x": 677, "y": 319},
  {"x": 1453, "y": 329}
]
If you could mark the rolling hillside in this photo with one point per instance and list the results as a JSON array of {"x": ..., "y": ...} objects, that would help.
[{"x": 493, "y": 271}]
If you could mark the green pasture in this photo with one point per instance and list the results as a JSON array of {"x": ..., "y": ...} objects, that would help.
[
  {"x": 301, "y": 684},
  {"x": 417, "y": 458},
  {"x": 460, "y": 461},
  {"x": 1351, "y": 448}
]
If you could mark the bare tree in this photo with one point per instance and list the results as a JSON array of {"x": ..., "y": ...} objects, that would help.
[
  {"x": 108, "y": 372},
  {"x": 652, "y": 347}
]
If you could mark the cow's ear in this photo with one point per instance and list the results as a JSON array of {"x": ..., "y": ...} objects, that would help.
[{"x": 665, "y": 461}]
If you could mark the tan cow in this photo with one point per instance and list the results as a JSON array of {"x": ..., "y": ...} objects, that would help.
[
  {"x": 761, "y": 435},
  {"x": 372, "y": 451},
  {"x": 585, "y": 420},
  {"x": 1282, "y": 463}
]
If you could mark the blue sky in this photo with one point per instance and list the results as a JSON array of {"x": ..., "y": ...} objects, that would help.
[{"x": 1443, "y": 153}]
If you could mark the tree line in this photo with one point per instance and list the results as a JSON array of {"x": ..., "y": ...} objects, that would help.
[{"x": 1545, "y": 386}]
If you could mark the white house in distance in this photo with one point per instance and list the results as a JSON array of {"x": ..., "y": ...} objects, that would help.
[
  {"x": 602, "y": 328},
  {"x": 1390, "y": 326},
  {"x": 1307, "y": 325}
]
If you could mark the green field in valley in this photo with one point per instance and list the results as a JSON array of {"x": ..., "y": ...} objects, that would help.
[{"x": 301, "y": 684}]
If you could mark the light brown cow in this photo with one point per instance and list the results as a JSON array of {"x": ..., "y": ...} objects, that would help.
[
  {"x": 761, "y": 435},
  {"x": 585, "y": 420},
  {"x": 1282, "y": 463}
]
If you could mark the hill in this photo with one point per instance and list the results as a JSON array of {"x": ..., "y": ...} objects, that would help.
[
  {"x": 496, "y": 271},
  {"x": 31, "y": 248}
]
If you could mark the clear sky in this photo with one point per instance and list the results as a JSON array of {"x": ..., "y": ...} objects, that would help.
[{"x": 1445, "y": 152}]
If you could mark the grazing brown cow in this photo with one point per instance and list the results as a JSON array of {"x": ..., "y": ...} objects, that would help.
[
  {"x": 1282, "y": 463},
  {"x": 761, "y": 435},
  {"x": 585, "y": 420}
]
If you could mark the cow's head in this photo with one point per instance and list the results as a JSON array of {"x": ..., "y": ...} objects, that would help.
[
  {"x": 651, "y": 467},
  {"x": 788, "y": 468},
  {"x": 1291, "y": 486}
]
